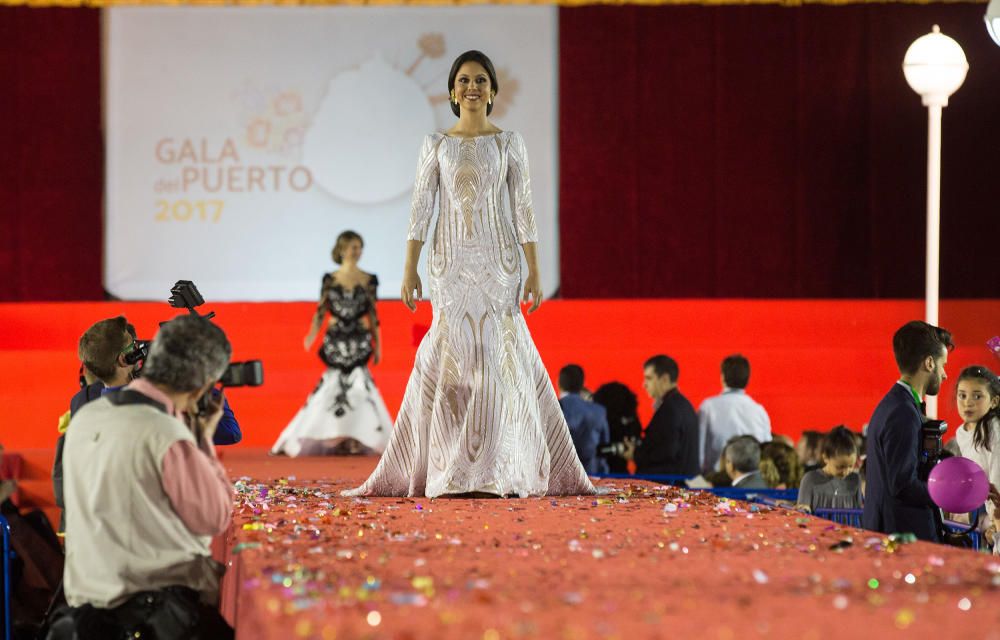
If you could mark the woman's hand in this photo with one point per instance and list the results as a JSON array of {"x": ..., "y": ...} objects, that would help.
[
  {"x": 308, "y": 340},
  {"x": 533, "y": 289},
  {"x": 411, "y": 283},
  {"x": 377, "y": 356}
]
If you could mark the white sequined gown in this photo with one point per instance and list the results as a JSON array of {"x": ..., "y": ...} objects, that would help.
[{"x": 479, "y": 413}]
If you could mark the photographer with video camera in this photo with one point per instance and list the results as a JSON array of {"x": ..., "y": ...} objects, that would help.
[
  {"x": 897, "y": 499},
  {"x": 144, "y": 495},
  {"x": 111, "y": 357}
]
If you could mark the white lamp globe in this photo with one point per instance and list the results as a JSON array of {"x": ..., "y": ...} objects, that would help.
[
  {"x": 993, "y": 20},
  {"x": 935, "y": 67}
]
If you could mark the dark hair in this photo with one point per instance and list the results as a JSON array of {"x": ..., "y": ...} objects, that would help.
[
  {"x": 664, "y": 365},
  {"x": 915, "y": 341},
  {"x": 736, "y": 371},
  {"x": 743, "y": 452},
  {"x": 839, "y": 442},
  {"x": 621, "y": 405},
  {"x": 780, "y": 465},
  {"x": 482, "y": 59},
  {"x": 813, "y": 442},
  {"x": 571, "y": 378},
  {"x": 101, "y": 344},
  {"x": 981, "y": 436},
  {"x": 343, "y": 239}
]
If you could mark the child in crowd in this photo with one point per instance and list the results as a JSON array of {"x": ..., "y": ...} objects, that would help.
[
  {"x": 836, "y": 485},
  {"x": 977, "y": 396}
]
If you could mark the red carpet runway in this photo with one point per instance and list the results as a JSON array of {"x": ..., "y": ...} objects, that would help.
[{"x": 641, "y": 562}]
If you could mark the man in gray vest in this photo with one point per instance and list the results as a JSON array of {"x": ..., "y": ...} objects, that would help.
[{"x": 145, "y": 493}]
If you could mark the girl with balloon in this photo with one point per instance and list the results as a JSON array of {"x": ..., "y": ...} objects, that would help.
[{"x": 977, "y": 397}]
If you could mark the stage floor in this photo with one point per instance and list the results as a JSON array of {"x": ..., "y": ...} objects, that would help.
[{"x": 643, "y": 561}]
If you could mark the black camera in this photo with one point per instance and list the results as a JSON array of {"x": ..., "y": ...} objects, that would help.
[
  {"x": 931, "y": 446},
  {"x": 243, "y": 374},
  {"x": 185, "y": 295},
  {"x": 138, "y": 353}
]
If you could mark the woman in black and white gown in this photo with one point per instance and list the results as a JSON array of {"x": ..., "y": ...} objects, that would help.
[{"x": 345, "y": 413}]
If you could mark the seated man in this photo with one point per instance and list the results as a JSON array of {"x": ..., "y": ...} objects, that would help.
[
  {"x": 742, "y": 460},
  {"x": 145, "y": 492},
  {"x": 588, "y": 422},
  {"x": 731, "y": 413}
]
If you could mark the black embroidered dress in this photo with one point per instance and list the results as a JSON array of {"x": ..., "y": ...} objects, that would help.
[{"x": 346, "y": 403}]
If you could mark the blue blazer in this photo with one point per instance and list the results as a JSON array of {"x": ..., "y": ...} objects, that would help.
[
  {"x": 896, "y": 501},
  {"x": 588, "y": 426}
]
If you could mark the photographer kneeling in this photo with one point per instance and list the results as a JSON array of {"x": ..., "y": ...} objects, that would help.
[{"x": 144, "y": 493}]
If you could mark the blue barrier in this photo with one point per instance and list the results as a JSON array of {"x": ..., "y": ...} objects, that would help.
[
  {"x": 849, "y": 517},
  {"x": 5, "y": 532},
  {"x": 752, "y": 495},
  {"x": 852, "y": 518}
]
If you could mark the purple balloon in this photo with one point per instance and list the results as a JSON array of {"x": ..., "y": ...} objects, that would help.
[{"x": 958, "y": 485}]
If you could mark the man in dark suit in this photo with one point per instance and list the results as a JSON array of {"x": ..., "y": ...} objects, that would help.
[
  {"x": 742, "y": 461},
  {"x": 670, "y": 443},
  {"x": 588, "y": 422},
  {"x": 896, "y": 499}
]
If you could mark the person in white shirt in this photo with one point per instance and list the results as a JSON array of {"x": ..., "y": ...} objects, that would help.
[{"x": 731, "y": 413}]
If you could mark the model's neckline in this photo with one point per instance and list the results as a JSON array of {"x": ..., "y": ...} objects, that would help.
[{"x": 484, "y": 135}]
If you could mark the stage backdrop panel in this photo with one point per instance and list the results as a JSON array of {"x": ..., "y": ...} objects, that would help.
[{"x": 240, "y": 142}]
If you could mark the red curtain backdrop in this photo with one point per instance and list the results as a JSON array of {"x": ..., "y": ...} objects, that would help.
[
  {"x": 705, "y": 152},
  {"x": 52, "y": 150},
  {"x": 769, "y": 152}
]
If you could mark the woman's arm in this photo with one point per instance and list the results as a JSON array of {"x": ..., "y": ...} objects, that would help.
[
  {"x": 373, "y": 322},
  {"x": 319, "y": 316},
  {"x": 533, "y": 283},
  {"x": 411, "y": 280}
]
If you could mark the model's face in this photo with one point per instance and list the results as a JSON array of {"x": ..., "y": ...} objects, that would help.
[
  {"x": 937, "y": 374},
  {"x": 974, "y": 400},
  {"x": 839, "y": 466},
  {"x": 472, "y": 86},
  {"x": 351, "y": 251},
  {"x": 655, "y": 385}
]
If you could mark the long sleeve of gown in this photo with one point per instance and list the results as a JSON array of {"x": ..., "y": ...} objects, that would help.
[
  {"x": 519, "y": 187},
  {"x": 425, "y": 189}
]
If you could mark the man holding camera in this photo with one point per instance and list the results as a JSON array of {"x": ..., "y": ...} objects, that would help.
[
  {"x": 145, "y": 493},
  {"x": 110, "y": 355},
  {"x": 896, "y": 499}
]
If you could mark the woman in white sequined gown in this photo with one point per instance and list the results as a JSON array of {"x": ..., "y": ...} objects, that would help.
[{"x": 479, "y": 415}]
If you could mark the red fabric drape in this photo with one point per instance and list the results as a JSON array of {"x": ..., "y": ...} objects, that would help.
[
  {"x": 769, "y": 152},
  {"x": 52, "y": 151}
]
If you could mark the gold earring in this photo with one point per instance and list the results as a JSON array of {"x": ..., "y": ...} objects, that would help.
[
  {"x": 490, "y": 101},
  {"x": 454, "y": 100}
]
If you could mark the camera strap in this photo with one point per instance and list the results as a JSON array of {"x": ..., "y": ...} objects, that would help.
[
  {"x": 916, "y": 396},
  {"x": 122, "y": 397}
]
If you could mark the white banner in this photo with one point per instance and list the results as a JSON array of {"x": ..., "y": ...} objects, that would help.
[{"x": 241, "y": 141}]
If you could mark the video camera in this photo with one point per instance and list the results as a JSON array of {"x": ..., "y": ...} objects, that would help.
[
  {"x": 932, "y": 449},
  {"x": 185, "y": 295}
]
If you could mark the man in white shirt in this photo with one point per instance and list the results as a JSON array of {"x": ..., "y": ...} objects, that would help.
[{"x": 731, "y": 413}]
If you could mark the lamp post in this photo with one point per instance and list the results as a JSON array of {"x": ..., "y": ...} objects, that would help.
[
  {"x": 934, "y": 67},
  {"x": 992, "y": 18}
]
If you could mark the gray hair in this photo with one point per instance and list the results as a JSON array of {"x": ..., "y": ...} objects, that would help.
[
  {"x": 744, "y": 453},
  {"x": 187, "y": 354}
]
